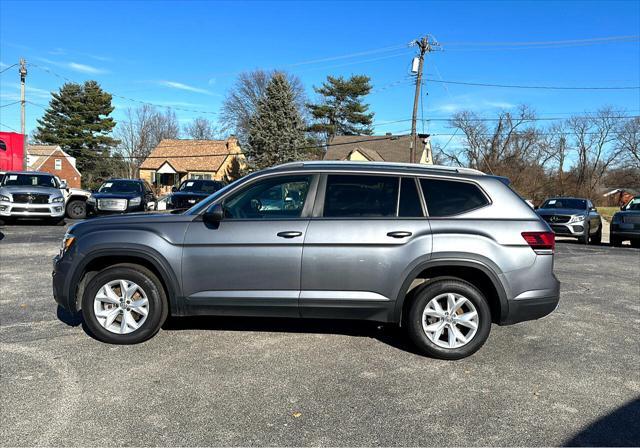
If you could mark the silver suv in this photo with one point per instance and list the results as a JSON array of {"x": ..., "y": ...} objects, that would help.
[
  {"x": 444, "y": 252},
  {"x": 31, "y": 194}
]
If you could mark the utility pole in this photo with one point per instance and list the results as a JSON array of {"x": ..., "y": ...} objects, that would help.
[
  {"x": 426, "y": 45},
  {"x": 23, "y": 76}
]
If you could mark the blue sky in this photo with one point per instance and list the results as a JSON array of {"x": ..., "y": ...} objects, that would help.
[{"x": 186, "y": 54}]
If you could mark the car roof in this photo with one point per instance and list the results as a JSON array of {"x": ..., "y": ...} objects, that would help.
[
  {"x": 30, "y": 172},
  {"x": 129, "y": 180},
  {"x": 567, "y": 197},
  {"x": 409, "y": 168}
]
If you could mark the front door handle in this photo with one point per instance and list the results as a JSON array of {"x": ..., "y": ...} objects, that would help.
[
  {"x": 399, "y": 234},
  {"x": 290, "y": 234}
]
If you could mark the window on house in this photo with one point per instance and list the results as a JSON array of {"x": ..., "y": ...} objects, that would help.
[
  {"x": 353, "y": 196},
  {"x": 448, "y": 198},
  {"x": 58, "y": 164},
  {"x": 3, "y": 145}
]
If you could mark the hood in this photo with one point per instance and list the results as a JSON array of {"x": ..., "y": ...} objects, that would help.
[
  {"x": 17, "y": 189},
  {"x": 561, "y": 211},
  {"x": 127, "y": 221},
  {"x": 116, "y": 195}
]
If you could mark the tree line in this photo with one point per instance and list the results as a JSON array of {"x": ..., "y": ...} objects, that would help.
[{"x": 275, "y": 122}]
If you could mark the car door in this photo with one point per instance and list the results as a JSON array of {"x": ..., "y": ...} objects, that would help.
[
  {"x": 250, "y": 263},
  {"x": 594, "y": 218},
  {"x": 359, "y": 245}
]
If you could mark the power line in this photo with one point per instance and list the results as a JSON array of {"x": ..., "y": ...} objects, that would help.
[
  {"x": 9, "y": 127},
  {"x": 9, "y": 104},
  {"x": 7, "y": 68},
  {"x": 593, "y": 40},
  {"x": 515, "y": 86}
]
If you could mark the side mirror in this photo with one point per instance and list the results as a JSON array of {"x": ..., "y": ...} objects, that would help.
[
  {"x": 174, "y": 189},
  {"x": 214, "y": 214},
  {"x": 63, "y": 185}
]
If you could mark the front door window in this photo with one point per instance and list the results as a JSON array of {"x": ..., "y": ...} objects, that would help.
[{"x": 274, "y": 198}]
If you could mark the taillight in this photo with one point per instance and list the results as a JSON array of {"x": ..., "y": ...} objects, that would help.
[{"x": 540, "y": 241}]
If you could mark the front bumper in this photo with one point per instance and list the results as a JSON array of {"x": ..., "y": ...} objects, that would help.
[
  {"x": 574, "y": 229},
  {"x": 24, "y": 210},
  {"x": 93, "y": 210}
]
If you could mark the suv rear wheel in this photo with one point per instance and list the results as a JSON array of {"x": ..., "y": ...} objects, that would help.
[
  {"x": 124, "y": 304},
  {"x": 449, "y": 319}
]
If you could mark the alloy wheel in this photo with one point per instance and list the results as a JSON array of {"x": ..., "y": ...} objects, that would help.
[
  {"x": 121, "y": 306},
  {"x": 450, "y": 320}
]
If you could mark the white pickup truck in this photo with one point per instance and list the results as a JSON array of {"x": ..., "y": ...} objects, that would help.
[{"x": 75, "y": 200}]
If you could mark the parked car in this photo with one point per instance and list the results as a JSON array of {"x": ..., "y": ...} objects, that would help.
[
  {"x": 574, "y": 217},
  {"x": 121, "y": 196},
  {"x": 625, "y": 224},
  {"x": 75, "y": 201},
  {"x": 190, "y": 192},
  {"x": 444, "y": 252},
  {"x": 31, "y": 194}
]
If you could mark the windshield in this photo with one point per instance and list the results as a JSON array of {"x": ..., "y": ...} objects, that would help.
[
  {"x": 577, "y": 204},
  {"x": 33, "y": 180},
  {"x": 200, "y": 186},
  {"x": 634, "y": 204},
  {"x": 120, "y": 186}
]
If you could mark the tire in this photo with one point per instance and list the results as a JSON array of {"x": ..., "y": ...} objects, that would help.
[
  {"x": 584, "y": 239},
  {"x": 76, "y": 209},
  {"x": 615, "y": 241},
  {"x": 119, "y": 333},
  {"x": 597, "y": 238},
  {"x": 440, "y": 291},
  {"x": 635, "y": 243}
]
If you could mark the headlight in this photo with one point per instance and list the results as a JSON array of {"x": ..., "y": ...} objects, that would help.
[
  {"x": 67, "y": 242},
  {"x": 135, "y": 201},
  {"x": 57, "y": 199},
  {"x": 91, "y": 200},
  {"x": 577, "y": 218},
  {"x": 4, "y": 198}
]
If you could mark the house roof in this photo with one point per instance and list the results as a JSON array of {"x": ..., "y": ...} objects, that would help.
[
  {"x": 191, "y": 155},
  {"x": 40, "y": 153},
  {"x": 375, "y": 147}
]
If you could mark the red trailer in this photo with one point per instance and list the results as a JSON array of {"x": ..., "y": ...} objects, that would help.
[{"x": 11, "y": 151}]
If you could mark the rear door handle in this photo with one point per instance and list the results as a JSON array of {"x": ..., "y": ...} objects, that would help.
[
  {"x": 399, "y": 234},
  {"x": 290, "y": 234}
]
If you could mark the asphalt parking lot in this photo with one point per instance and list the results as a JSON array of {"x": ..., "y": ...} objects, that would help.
[{"x": 570, "y": 378}]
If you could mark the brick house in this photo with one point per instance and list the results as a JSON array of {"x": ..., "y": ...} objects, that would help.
[
  {"x": 376, "y": 148},
  {"x": 52, "y": 159},
  {"x": 175, "y": 160}
]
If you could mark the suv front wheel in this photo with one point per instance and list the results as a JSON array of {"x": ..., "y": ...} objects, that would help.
[
  {"x": 449, "y": 319},
  {"x": 124, "y": 304}
]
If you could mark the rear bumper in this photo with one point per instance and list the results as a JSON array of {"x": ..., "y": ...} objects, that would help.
[{"x": 534, "y": 304}]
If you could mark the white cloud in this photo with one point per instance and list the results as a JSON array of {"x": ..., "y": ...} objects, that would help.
[
  {"x": 75, "y": 66},
  {"x": 181, "y": 86},
  {"x": 83, "y": 68},
  {"x": 500, "y": 104}
]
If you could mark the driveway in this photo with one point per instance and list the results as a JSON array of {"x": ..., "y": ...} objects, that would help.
[{"x": 570, "y": 378}]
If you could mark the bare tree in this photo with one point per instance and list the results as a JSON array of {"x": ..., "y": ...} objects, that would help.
[
  {"x": 628, "y": 142},
  {"x": 140, "y": 132},
  {"x": 593, "y": 137},
  {"x": 201, "y": 129},
  {"x": 242, "y": 99}
]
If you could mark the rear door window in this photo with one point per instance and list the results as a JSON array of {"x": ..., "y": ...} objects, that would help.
[
  {"x": 448, "y": 198},
  {"x": 355, "y": 196}
]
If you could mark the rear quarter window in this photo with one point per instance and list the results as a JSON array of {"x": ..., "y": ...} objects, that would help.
[{"x": 449, "y": 198}]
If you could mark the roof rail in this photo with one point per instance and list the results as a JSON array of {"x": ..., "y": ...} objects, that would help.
[{"x": 411, "y": 166}]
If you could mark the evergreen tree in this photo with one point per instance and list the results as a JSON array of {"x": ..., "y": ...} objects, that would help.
[
  {"x": 341, "y": 111},
  {"x": 78, "y": 120},
  {"x": 276, "y": 131}
]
